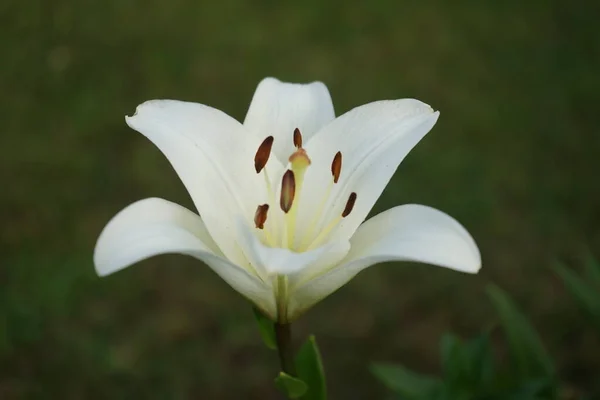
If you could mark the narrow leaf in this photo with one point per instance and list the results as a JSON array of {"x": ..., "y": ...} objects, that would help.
[
  {"x": 587, "y": 297},
  {"x": 265, "y": 327},
  {"x": 480, "y": 361},
  {"x": 293, "y": 388},
  {"x": 453, "y": 362},
  {"x": 592, "y": 270},
  {"x": 402, "y": 381},
  {"x": 526, "y": 347},
  {"x": 536, "y": 389},
  {"x": 310, "y": 369}
]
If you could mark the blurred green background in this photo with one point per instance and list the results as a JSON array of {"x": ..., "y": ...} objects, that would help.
[{"x": 514, "y": 157}]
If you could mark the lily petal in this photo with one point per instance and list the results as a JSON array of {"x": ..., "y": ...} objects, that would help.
[
  {"x": 405, "y": 233},
  {"x": 278, "y": 108},
  {"x": 155, "y": 226},
  {"x": 373, "y": 140},
  {"x": 213, "y": 156}
]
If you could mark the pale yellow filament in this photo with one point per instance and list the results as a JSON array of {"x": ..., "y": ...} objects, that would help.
[
  {"x": 324, "y": 233},
  {"x": 273, "y": 224},
  {"x": 313, "y": 223}
]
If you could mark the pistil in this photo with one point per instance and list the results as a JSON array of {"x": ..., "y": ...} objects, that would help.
[
  {"x": 299, "y": 161},
  {"x": 291, "y": 187}
]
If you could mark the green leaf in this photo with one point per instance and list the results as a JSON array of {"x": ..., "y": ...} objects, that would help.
[
  {"x": 265, "y": 327},
  {"x": 587, "y": 297},
  {"x": 310, "y": 370},
  {"x": 526, "y": 347},
  {"x": 536, "y": 389},
  {"x": 592, "y": 270},
  {"x": 467, "y": 367},
  {"x": 293, "y": 388},
  {"x": 453, "y": 361},
  {"x": 480, "y": 362},
  {"x": 402, "y": 381}
]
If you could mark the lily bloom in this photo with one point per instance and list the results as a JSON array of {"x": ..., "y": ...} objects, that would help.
[{"x": 281, "y": 198}]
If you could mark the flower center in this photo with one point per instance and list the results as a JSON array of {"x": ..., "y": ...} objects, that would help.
[{"x": 281, "y": 232}]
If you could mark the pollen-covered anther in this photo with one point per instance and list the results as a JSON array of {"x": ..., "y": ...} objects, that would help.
[
  {"x": 349, "y": 205},
  {"x": 288, "y": 191},
  {"x": 260, "y": 216},
  {"x": 262, "y": 154},
  {"x": 336, "y": 166},
  {"x": 297, "y": 138}
]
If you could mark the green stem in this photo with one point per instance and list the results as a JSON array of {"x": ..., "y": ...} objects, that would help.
[
  {"x": 282, "y": 300},
  {"x": 283, "y": 336}
]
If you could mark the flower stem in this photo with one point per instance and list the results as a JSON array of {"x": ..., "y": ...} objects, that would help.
[{"x": 283, "y": 336}]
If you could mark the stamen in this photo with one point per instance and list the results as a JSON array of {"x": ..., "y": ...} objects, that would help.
[
  {"x": 349, "y": 205},
  {"x": 260, "y": 217},
  {"x": 288, "y": 190},
  {"x": 336, "y": 166},
  {"x": 327, "y": 230},
  {"x": 297, "y": 138},
  {"x": 336, "y": 169},
  {"x": 262, "y": 154},
  {"x": 271, "y": 196}
]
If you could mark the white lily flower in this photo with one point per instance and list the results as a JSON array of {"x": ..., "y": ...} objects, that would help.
[{"x": 282, "y": 197}]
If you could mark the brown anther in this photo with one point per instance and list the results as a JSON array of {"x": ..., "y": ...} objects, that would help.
[
  {"x": 262, "y": 154},
  {"x": 297, "y": 138},
  {"x": 288, "y": 190},
  {"x": 336, "y": 166},
  {"x": 349, "y": 205},
  {"x": 260, "y": 216}
]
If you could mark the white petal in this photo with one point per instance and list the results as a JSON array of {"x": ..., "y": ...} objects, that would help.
[
  {"x": 269, "y": 261},
  {"x": 406, "y": 233},
  {"x": 278, "y": 108},
  {"x": 155, "y": 226},
  {"x": 214, "y": 157},
  {"x": 373, "y": 140}
]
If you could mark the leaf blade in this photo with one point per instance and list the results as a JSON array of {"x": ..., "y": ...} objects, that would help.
[
  {"x": 292, "y": 387},
  {"x": 592, "y": 269},
  {"x": 526, "y": 347},
  {"x": 586, "y": 296},
  {"x": 402, "y": 381},
  {"x": 310, "y": 369},
  {"x": 452, "y": 359},
  {"x": 265, "y": 328}
]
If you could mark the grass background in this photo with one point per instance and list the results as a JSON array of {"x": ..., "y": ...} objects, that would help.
[{"x": 514, "y": 157}]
